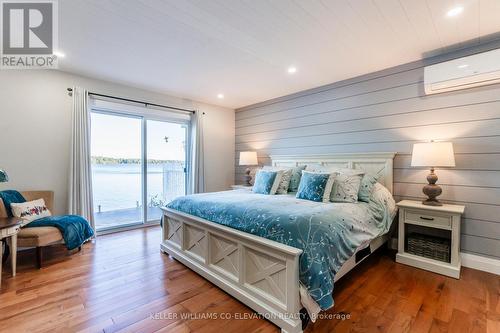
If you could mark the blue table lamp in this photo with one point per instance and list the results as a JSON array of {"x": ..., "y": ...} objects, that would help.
[{"x": 3, "y": 176}]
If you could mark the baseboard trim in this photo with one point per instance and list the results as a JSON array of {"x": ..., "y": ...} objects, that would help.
[{"x": 481, "y": 263}]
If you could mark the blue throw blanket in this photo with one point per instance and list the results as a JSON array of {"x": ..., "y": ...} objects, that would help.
[
  {"x": 11, "y": 196},
  {"x": 74, "y": 229}
]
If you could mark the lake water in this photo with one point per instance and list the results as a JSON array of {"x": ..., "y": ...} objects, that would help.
[{"x": 118, "y": 186}]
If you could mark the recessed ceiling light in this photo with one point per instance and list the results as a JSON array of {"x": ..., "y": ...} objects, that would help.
[
  {"x": 59, "y": 54},
  {"x": 455, "y": 11},
  {"x": 292, "y": 70},
  {"x": 462, "y": 66},
  {"x": 220, "y": 96}
]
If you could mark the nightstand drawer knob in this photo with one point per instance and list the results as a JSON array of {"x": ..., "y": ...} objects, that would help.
[{"x": 427, "y": 218}]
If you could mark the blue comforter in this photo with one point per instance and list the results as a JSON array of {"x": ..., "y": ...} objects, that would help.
[{"x": 328, "y": 233}]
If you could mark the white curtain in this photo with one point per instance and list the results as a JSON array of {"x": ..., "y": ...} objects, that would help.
[
  {"x": 80, "y": 182},
  {"x": 197, "y": 177}
]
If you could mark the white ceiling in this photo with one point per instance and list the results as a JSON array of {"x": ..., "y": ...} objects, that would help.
[{"x": 242, "y": 48}]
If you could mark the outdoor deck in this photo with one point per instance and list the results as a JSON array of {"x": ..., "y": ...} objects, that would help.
[
  {"x": 121, "y": 217},
  {"x": 168, "y": 178}
]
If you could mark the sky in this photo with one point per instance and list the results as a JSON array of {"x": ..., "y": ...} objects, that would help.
[{"x": 120, "y": 137}]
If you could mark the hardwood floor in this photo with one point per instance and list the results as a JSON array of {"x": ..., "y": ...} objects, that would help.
[{"x": 122, "y": 283}]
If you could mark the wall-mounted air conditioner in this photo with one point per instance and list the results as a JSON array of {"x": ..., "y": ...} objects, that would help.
[{"x": 467, "y": 72}]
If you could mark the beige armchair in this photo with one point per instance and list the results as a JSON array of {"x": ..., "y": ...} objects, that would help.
[{"x": 40, "y": 236}]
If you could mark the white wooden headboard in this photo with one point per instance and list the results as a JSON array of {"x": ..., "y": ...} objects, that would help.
[{"x": 376, "y": 164}]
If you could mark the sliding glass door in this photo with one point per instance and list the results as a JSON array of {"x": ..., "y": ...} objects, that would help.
[
  {"x": 116, "y": 151},
  {"x": 138, "y": 165},
  {"x": 166, "y": 164}
]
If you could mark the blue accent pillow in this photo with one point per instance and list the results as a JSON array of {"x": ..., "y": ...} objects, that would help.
[
  {"x": 264, "y": 181},
  {"x": 312, "y": 186}
]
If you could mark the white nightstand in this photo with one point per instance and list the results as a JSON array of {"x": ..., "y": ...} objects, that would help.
[
  {"x": 239, "y": 187},
  {"x": 443, "y": 220}
]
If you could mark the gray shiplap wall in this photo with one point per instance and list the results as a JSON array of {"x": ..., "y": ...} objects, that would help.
[{"x": 388, "y": 111}]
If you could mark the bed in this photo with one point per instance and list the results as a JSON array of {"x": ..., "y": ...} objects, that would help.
[{"x": 227, "y": 238}]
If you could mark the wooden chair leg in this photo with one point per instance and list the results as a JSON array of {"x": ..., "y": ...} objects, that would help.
[{"x": 39, "y": 256}]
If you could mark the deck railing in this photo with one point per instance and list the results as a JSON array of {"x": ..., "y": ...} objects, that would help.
[{"x": 174, "y": 180}]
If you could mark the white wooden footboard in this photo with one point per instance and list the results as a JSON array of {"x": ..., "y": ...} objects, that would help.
[{"x": 262, "y": 274}]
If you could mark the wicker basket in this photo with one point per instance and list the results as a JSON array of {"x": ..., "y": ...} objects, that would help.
[{"x": 432, "y": 247}]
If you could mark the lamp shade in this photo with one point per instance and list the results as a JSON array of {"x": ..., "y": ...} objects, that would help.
[
  {"x": 248, "y": 158},
  {"x": 3, "y": 176},
  {"x": 433, "y": 154}
]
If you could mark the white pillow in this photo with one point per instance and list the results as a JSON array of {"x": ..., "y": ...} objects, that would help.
[
  {"x": 329, "y": 186},
  {"x": 277, "y": 181},
  {"x": 284, "y": 180},
  {"x": 31, "y": 210},
  {"x": 346, "y": 186}
]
